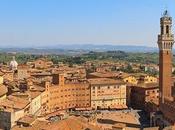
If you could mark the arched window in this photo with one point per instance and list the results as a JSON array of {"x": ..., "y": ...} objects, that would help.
[
  {"x": 167, "y": 29},
  {"x": 162, "y": 30}
]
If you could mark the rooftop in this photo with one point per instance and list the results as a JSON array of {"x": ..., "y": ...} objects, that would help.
[
  {"x": 72, "y": 123},
  {"x": 104, "y": 81},
  {"x": 148, "y": 85},
  {"x": 104, "y": 74},
  {"x": 3, "y": 90},
  {"x": 27, "y": 119},
  {"x": 13, "y": 102}
]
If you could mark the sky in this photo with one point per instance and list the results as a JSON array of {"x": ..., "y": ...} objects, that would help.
[{"x": 35, "y": 23}]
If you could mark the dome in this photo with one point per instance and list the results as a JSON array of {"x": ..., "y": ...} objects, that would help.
[{"x": 13, "y": 64}]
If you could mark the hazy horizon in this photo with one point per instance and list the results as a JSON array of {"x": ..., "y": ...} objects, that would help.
[
  {"x": 40, "y": 23},
  {"x": 56, "y": 46}
]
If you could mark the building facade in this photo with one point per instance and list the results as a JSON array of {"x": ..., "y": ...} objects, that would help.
[
  {"x": 65, "y": 94},
  {"x": 107, "y": 93},
  {"x": 145, "y": 96},
  {"x": 11, "y": 110}
]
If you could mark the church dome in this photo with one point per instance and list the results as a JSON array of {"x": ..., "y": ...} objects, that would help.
[{"x": 13, "y": 64}]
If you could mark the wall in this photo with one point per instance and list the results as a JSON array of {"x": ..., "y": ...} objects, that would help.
[
  {"x": 66, "y": 96},
  {"x": 111, "y": 95},
  {"x": 35, "y": 105},
  {"x": 1, "y": 80},
  {"x": 5, "y": 120}
]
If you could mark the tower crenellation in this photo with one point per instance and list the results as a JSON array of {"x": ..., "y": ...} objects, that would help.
[{"x": 166, "y": 38}]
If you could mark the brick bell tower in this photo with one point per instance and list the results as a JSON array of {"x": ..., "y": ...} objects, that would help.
[{"x": 165, "y": 43}]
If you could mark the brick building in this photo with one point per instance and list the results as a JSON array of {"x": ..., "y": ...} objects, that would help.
[
  {"x": 41, "y": 63},
  {"x": 143, "y": 95},
  {"x": 65, "y": 94}
]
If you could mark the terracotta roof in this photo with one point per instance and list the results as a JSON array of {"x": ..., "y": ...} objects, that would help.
[
  {"x": 22, "y": 66},
  {"x": 34, "y": 94},
  {"x": 38, "y": 125},
  {"x": 27, "y": 94},
  {"x": 151, "y": 128},
  {"x": 72, "y": 123},
  {"x": 104, "y": 81},
  {"x": 119, "y": 125},
  {"x": 3, "y": 90},
  {"x": 136, "y": 75},
  {"x": 104, "y": 74},
  {"x": 41, "y": 74},
  {"x": 13, "y": 102},
  {"x": 38, "y": 88},
  {"x": 124, "y": 75},
  {"x": 1, "y": 73},
  {"x": 148, "y": 85},
  {"x": 27, "y": 119}
]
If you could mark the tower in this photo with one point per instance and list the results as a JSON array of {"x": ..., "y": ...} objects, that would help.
[
  {"x": 13, "y": 64},
  {"x": 165, "y": 43}
]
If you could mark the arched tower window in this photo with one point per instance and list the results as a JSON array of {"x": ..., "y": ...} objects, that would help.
[
  {"x": 162, "y": 30},
  {"x": 167, "y": 29}
]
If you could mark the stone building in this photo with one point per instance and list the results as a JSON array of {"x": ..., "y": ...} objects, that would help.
[
  {"x": 22, "y": 72},
  {"x": 7, "y": 75},
  {"x": 40, "y": 63},
  {"x": 145, "y": 95},
  {"x": 107, "y": 93},
  {"x": 129, "y": 79},
  {"x": 11, "y": 110},
  {"x": 148, "y": 79}
]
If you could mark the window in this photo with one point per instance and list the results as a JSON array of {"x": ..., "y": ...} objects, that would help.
[
  {"x": 162, "y": 31},
  {"x": 147, "y": 92},
  {"x": 167, "y": 29}
]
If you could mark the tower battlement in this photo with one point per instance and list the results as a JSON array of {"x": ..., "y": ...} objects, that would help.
[{"x": 165, "y": 38}]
